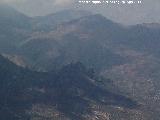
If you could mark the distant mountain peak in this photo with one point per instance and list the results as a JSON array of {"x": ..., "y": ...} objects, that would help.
[
  {"x": 53, "y": 19},
  {"x": 71, "y": 12},
  {"x": 94, "y": 21},
  {"x": 10, "y": 17},
  {"x": 95, "y": 18},
  {"x": 8, "y": 11}
]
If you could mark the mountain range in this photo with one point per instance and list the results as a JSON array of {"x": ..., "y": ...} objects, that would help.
[{"x": 77, "y": 65}]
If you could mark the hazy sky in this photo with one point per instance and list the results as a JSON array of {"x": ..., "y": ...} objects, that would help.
[{"x": 148, "y": 11}]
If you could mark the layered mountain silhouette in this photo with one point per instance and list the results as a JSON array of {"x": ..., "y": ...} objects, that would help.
[
  {"x": 49, "y": 22},
  {"x": 77, "y": 65}
]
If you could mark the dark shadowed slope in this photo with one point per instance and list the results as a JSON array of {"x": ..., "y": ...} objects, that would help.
[{"x": 71, "y": 90}]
